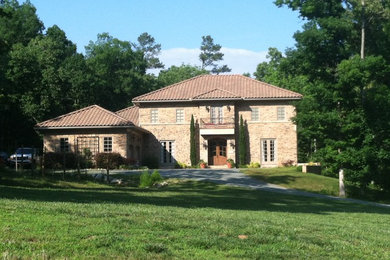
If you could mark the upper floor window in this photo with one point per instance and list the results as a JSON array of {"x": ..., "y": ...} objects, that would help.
[
  {"x": 255, "y": 114},
  {"x": 107, "y": 145},
  {"x": 179, "y": 115},
  {"x": 64, "y": 145},
  {"x": 281, "y": 113},
  {"x": 216, "y": 115},
  {"x": 154, "y": 115}
]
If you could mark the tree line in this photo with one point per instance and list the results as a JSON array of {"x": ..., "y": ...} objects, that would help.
[
  {"x": 341, "y": 64},
  {"x": 42, "y": 75}
]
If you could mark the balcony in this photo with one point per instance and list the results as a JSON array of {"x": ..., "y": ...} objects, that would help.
[{"x": 216, "y": 126}]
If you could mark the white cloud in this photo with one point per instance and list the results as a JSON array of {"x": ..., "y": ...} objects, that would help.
[{"x": 239, "y": 60}]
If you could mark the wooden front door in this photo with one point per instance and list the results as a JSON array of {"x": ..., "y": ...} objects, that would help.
[{"x": 217, "y": 152}]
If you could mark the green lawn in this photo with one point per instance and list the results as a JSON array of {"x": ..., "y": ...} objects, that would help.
[
  {"x": 185, "y": 220},
  {"x": 289, "y": 177}
]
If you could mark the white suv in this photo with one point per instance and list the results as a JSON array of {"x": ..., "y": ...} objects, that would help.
[{"x": 24, "y": 156}]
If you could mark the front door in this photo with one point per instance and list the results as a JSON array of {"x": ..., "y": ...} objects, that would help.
[{"x": 217, "y": 152}]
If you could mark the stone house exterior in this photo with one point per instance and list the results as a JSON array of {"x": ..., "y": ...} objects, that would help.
[{"x": 160, "y": 122}]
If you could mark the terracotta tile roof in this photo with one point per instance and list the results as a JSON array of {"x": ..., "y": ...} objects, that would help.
[
  {"x": 217, "y": 87},
  {"x": 216, "y": 93},
  {"x": 129, "y": 113},
  {"x": 92, "y": 116}
]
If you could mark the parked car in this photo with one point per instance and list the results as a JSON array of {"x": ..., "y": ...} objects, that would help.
[
  {"x": 4, "y": 156},
  {"x": 25, "y": 156}
]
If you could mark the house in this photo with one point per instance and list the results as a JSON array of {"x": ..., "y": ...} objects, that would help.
[{"x": 158, "y": 125}]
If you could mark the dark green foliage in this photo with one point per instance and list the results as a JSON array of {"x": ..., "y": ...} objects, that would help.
[
  {"x": 151, "y": 50},
  {"x": 176, "y": 74},
  {"x": 148, "y": 180},
  {"x": 210, "y": 55},
  {"x": 108, "y": 160},
  {"x": 343, "y": 120},
  {"x": 192, "y": 142},
  {"x": 242, "y": 142},
  {"x": 57, "y": 160},
  {"x": 155, "y": 176},
  {"x": 151, "y": 162}
]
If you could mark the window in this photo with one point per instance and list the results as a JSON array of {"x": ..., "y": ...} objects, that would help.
[
  {"x": 179, "y": 115},
  {"x": 154, "y": 116},
  {"x": 107, "y": 144},
  {"x": 64, "y": 145},
  {"x": 268, "y": 151},
  {"x": 216, "y": 115},
  {"x": 255, "y": 114},
  {"x": 281, "y": 113},
  {"x": 167, "y": 152}
]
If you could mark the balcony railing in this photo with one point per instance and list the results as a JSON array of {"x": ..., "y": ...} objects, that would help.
[{"x": 217, "y": 123}]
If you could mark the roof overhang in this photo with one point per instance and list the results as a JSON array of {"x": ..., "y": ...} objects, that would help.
[
  {"x": 215, "y": 99},
  {"x": 81, "y": 127}
]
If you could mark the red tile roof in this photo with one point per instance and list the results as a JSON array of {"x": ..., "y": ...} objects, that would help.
[
  {"x": 215, "y": 87},
  {"x": 92, "y": 116},
  {"x": 129, "y": 113}
]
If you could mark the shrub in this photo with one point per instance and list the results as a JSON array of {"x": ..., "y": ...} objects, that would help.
[
  {"x": 147, "y": 180},
  {"x": 56, "y": 160},
  {"x": 231, "y": 162},
  {"x": 200, "y": 163},
  {"x": 254, "y": 165},
  {"x": 299, "y": 168},
  {"x": 151, "y": 162},
  {"x": 155, "y": 177},
  {"x": 288, "y": 163},
  {"x": 180, "y": 165},
  {"x": 108, "y": 160}
]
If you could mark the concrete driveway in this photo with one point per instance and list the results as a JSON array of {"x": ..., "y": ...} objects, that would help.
[{"x": 234, "y": 177}]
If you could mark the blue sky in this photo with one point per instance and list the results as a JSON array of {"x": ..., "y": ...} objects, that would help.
[{"x": 244, "y": 28}]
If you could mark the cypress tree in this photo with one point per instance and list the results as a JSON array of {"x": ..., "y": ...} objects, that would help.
[
  {"x": 192, "y": 142},
  {"x": 242, "y": 142}
]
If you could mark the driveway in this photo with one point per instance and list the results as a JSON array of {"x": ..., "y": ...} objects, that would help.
[{"x": 234, "y": 177}]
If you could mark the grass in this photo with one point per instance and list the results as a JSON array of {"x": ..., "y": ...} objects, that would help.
[
  {"x": 184, "y": 220},
  {"x": 289, "y": 177}
]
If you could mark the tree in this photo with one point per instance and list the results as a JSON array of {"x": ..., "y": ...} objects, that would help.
[
  {"x": 35, "y": 71},
  {"x": 147, "y": 45},
  {"x": 341, "y": 90},
  {"x": 210, "y": 55},
  {"x": 176, "y": 74},
  {"x": 242, "y": 142},
  {"x": 192, "y": 142},
  {"x": 119, "y": 72}
]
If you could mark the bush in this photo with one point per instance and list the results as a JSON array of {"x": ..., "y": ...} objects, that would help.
[
  {"x": 288, "y": 163},
  {"x": 108, "y": 160},
  {"x": 231, "y": 162},
  {"x": 151, "y": 162},
  {"x": 56, "y": 160},
  {"x": 180, "y": 165},
  {"x": 147, "y": 180},
  {"x": 155, "y": 177},
  {"x": 254, "y": 165},
  {"x": 299, "y": 168}
]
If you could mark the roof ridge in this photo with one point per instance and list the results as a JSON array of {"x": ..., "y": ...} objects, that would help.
[
  {"x": 82, "y": 110},
  {"x": 68, "y": 114},
  {"x": 169, "y": 86},
  {"x": 112, "y": 113}
]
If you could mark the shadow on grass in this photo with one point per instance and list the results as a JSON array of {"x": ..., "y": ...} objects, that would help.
[{"x": 191, "y": 195}]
